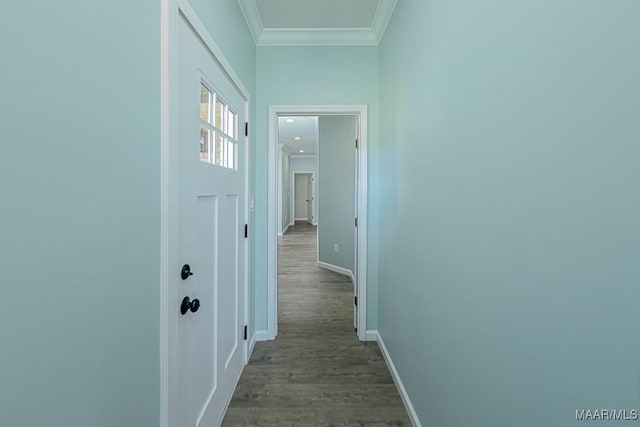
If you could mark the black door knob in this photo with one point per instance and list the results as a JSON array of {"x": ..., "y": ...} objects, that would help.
[
  {"x": 187, "y": 305},
  {"x": 186, "y": 272}
]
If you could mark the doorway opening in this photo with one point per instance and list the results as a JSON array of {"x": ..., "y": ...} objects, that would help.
[{"x": 277, "y": 224}]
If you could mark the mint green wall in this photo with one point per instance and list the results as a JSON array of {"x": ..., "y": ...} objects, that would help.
[
  {"x": 336, "y": 195},
  {"x": 313, "y": 75},
  {"x": 509, "y": 215},
  {"x": 80, "y": 213},
  {"x": 225, "y": 22}
]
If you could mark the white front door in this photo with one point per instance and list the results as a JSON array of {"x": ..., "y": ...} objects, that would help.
[{"x": 212, "y": 152}]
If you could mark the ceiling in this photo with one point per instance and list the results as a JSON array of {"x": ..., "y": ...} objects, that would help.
[
  {"x": 303, "y": 127},
  {"x": 317, "y": 22}
]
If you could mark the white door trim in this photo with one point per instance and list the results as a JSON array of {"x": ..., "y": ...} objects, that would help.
[
  {"x": 170, "y": 15},
  {"x": 361, "y": 112}
]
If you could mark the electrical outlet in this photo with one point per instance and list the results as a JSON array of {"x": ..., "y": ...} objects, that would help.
[{"x": 336, "y": 248}]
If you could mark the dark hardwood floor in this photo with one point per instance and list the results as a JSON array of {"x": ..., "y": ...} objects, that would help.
[{"x": 316, "y": 373}]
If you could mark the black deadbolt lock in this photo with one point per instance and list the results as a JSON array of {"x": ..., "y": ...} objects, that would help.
[{"x": 186, "y": 272}]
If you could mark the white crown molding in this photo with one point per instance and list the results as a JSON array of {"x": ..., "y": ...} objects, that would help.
[
  {"x": 382, "y": 17},
  {"x": 252, "y": 16},
  {"x": 317, "y": 36}
]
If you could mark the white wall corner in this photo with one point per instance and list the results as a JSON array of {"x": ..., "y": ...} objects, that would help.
[
  {"x": 382, "y": 17},
  {"x": 252, "y": 344},
  {"x": 413, "y": 416},
  {"x": 252, "y": 16}
]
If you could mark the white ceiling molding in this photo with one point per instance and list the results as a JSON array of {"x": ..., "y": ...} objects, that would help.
[
  {"x": 317, "y": 36},
  {"x": 252, "y": 16},
  {"x": 382, "y": 17}
]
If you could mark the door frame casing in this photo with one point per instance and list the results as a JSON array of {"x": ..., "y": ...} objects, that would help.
[
  {"x": 171, "y": 12},
  {"x": 361, "y": 112}
]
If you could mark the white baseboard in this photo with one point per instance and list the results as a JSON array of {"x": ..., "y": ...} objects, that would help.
[
  {"x": 337, "y": 269},
  {"x": 284, "y": 231},
  {"x": 262, "y": 336},
  {"x": 371, "y": 336},
  {"x": 396, "y": 378}
]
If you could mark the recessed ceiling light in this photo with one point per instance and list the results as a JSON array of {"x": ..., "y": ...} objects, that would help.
[
  {"x": 302, "y": 151},
  {"x": 297, "y": 138},
  {"x": 290, "y": 120}
]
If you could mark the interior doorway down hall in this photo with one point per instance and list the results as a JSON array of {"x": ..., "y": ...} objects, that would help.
[{"x": 360, "y": 216}]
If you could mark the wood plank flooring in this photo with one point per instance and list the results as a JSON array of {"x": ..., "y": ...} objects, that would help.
[{"x": 316, "y": 373}]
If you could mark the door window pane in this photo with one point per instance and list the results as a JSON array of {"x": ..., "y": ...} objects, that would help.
[
  {"x": 205, "y": 103},
  {"x": 231, "y": 124},
  {"x": 218, "y": 130},
  {"x": 219, "y": 150},
  {"x": 204, "y": 144},
  {"x": 231, "y": 155},
  {"x": 219, "y": 114}
]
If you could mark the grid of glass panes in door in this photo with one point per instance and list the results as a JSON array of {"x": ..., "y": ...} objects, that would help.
[{"x": 218, "y": 131}]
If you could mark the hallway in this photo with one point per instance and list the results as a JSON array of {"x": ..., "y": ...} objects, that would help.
[{"x": 316, "y": 373}]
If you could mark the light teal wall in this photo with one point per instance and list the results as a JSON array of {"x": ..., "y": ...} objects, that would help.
[
  {"x": 226, "y": 24},
  {"x": 336, "y": 190},
  {"x": 303, "y": 164},
  {"x": 313, "y": 75},
  {"x": 80, "y": 213},
  {"x": 509, "y": 215}
]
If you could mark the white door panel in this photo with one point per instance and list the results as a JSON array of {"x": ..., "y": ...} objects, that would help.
[{"x": 211, "y": 217}]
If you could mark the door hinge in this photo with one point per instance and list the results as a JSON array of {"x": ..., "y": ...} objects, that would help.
[
  {"x": 245, "y": 332},
  {"x": 246, "y": 128},
  {"x": 355, "y": 301},
  {"x": 356, "y": 222},
  {"x": 356, "y": 143},
  {"x": 246, "y": 231}
]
